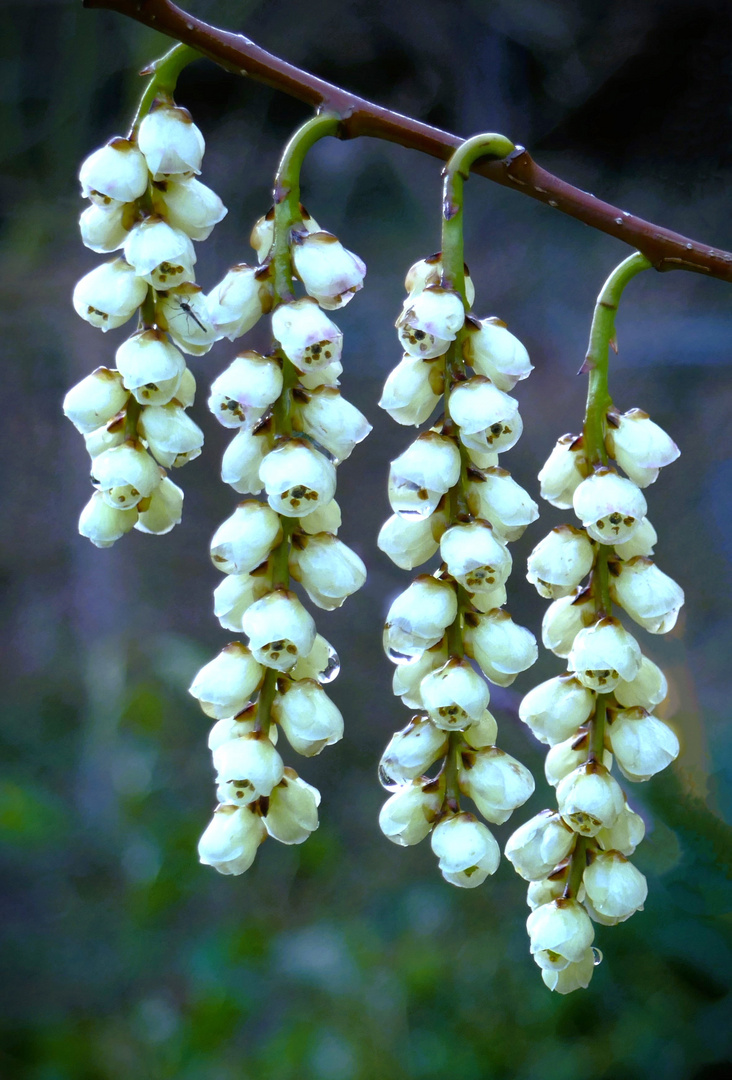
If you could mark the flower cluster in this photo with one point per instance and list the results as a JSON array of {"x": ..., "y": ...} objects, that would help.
[
  {"x": 450, "y": 495},
  {"x": 292, "y": 427},
  {"x": 601, "y": 708}
]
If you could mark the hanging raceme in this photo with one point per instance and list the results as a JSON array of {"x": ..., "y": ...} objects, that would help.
[
  {"x": 577, "y": 858},
  {"x": 292, "y": 429},
  {"x": 449, "y": 493}
]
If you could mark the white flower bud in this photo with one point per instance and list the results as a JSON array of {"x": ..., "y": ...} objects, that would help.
[
  {"x": 409, "y": 543},
  {"x": 324, "y": 519},
  {"x": 643, "y": 745},
  {"x": 610, "y": 507},
  {"x": 243, "y": 458},
  {"x": 297, "y": 479},
  {"x": 487, "y": 599},
  {"x": 604, "y": 653},
  {"x": 321, "y": 663},
  {"x": 225, "y": 685},
  {"x": 183, "y": 312},
  {"x": 640, "y": 447},
  {"x": 411, "y": 751},
  {"x": 334, "y": 422},
  {"x": 308, "y": 717},
  {"x": 151, "y": 367},
  {"x": 454, "y": 695},
  {"x": 495, "y": 496},
  {"x": 236, "y": 593},
  {"x": 407, "y": 679},
  {"x": 496, "y": 782},
  {"x": 328, "y": 375},
  {"x": 421, "y": 475},
  {"x": 247, "y": 768},
  {"x": 412, "y": 390},
  {"x": 428, "y": 271},
  {"x": 103, "y": 228},
  {"x": 189, "y": 205},
  {"x": 246, "y": 538},
  {"x": 641, "y": 542},
  {"x": 539, "y": 845},
  {"x": 483, "y": 732},
  {"x": 556, "y": 708},
  {"x": 115, "y": 171},
  {"x": 104, "y": 524},
  {"x": 279, "y": 629},
  {"x": 407, "y": 817},
  {"x": 563, "y": 471},
  {"x": 615, "y": 888},
  {"x": 239, "y": 300},
  {"x": 172, "y": 437},
  {"x": 625, "y": 835},
  {"x": 108, "y": 295},
  {"x": 648, "y": 689},
  {"x": 560, "y": 933},
  {"x": 328, "y": 569},
  {"x": 543, "y": 892},
  {"x": 494, "y": 352},
  {"x": 481, "y": 460},
  {"x": 564, "y": 619},
  {"x": 501, "y": 647},
  {"x": 292, "y": 814},
  {"x": 475, "y": 556},
  {"x": 560, "y": 561},
  {"x": 590, "y": 799},
  {"x": 246, "y": 389},
  {"x": 488, "y": 419},
  {"x": 172, "y": 144},
  {"x": 95, "y": 400},
  {"x": 262, "y": 235},
  {"x": 125, "y": 474},
  {"x": 429, "y": 321},
  {"x": 104, "y": 438},
  {"x": 651, "y": 598},
  {"x": 418, "y": 617},
  {"x": 564, "y": 757},
  {"x": 163, "y": 510},
  {"x": 163, "y": 256},
  {"x": 230, "y": 842},
  {"x": 236, "y": 727},
  {"x": 307, "y": 336},
  {"x": 330, "y": 273},
  {"x": 576, "y": 976},
  {"x": 466, "y": 849}
]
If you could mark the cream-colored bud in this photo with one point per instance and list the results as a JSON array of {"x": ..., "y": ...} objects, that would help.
[
  {"x": 328, "y": 569},
  {"x": 475, "y": 556},
  {"x": 651, "y": 598},
  {"x": 292, "y": 814},
  {"x": 116, "y": 171},
  {"x": 247, "y": 768},
  {"x": 321, "y": 663},
  {"x": 239, "y": 300},
  {"x": 225, "y": 685},
  {"x": 246, "y": 389},
  {"x": 604, "y": 653},
  {"x": 564, "y": 619},
  {"x": 236, "y": 593},
  {"x": 189, "y": 205},
  {"x": 643, "y": 745},
  {"x": 151, "y": 367},
  {"x": 412, "y": 390},
  {"x": 308, "y": 337},
  {"x": 560, "y": 933},
  {"x": 418, "y": 617},
  {"x": 163, "y": 510},
  {"x": 483, "y": 732},
  {"x": 576, "y": 976},
  {"x": 246, "y": 538},
  {"x": 183, "y": 312},
  {"x": 454, "y": 695},
  {"x": 625, "y": 835},
  {"x": 564, "y": 757},
  {"x": 172, "y": 437},
  {"x": 421, "y": 475},
  {"x": 330, "y": 273},
  {"x": 297, "y": 479},
  {"x": 560, "y": 561},
  {"x": 409, "y": 543},
  {"x": 538, "y": 845},
  {"x": 610, "y": 507},
  {"x": 556, "y": 708},
  {"x": 125, "y": 475},
  {"x": 614, "y": 887},
  {"x": 333, "y": 422},
  {"x": 95, "y": 400},
  {"x": 407, "y": 679},
  {"x": 496, "y": 782},
  {"x": 243, "y": 457},
  {"x": 108, "y": 295},
  {"x": 648, "y": 689},
  {"x": 639, "y": 446},
  {"x": 493, "y": 351},
  {"x": 104, "y": 524},
  {"x": 279, "y": 629},
  {"x": 563, "y": 472},
  {"x": 230, "y": 842},
  {"x": 428, "y": 271},
  {"x": 640, "y": 543},
  {"x": 429, "y": 321},
  {"x": 413, "y": 750},
  {"x": 466, "y": 849},
  {"x": 501, "y": 647},
  {"x": 308, "y": 717},
  {"x": 408, "y": 816},
  {"x": 104, "y": 228},
  {"x": 172, "y": 144},
  {"x": 590, "y": 799},
  {"x": 495, "y": 496},
  {"x": 488, "y": 418}
]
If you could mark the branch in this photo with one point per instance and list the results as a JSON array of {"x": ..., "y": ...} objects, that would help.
[{"x": 664, "y": 249}]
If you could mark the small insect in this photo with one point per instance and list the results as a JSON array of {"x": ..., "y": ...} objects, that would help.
[{"x": 190, "y": 313}]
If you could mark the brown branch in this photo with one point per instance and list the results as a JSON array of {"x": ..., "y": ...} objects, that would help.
[{"x": 665, "y": 249}]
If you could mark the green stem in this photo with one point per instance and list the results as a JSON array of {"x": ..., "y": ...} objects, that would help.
[
  {"x": 456, "y": 173},
  {"x": 597, "y": 729},
  {"x": 576, "y": 868},
  {"x": 132, "y": 415},
  {"x": 452, "y": 764},
  {"x": 164, "y": 72}
]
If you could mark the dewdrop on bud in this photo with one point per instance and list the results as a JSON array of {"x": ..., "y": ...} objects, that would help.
[
  {"x": 247, "y": 768},
  {"x": 418, "y": 617},
  {"x": 95, "y": 400},
  {"x": 590, "y": 799},
  {"x": 125, "y": 475},
  {"x": 292, "y": 814},
  {"x": 307, "y": 336},
  {"x": 109, "y": 295},
  {"x": 225, "y": 685},
  {"x": 488, "y": 418},
  {"x": 162, "y": 511},
  {"x": 640, "y": 447},
  {"x": 279, "y": 629},
  {"x": 172, "y": 144},
  {"x": 421, "y": 475},
  {"x": 560, "y": 561},
  {"x": 239, "y": 300},
  {"x": 496, "y": 782},
  {"x": 413, "y": 750},
  {"x": 297, "y": 479},
  {"x": 104, "y": 524},
  {"x": 321, "y": 663},
  {"x": 604, "y": 653},
  {"x": 642, "y": 744},
  {"x": 150, "y": 367},
  {"x": 412, "y": 390},
  {"x": 308, "y": 717},
  {"x": 609, "y": 506},
  {"x": 492, "y": 351},
  {"x": 328, "y": 570},
  {"x": 246, "y": 538},
  {"x": 560, "y": 932},
  {"x": 555, "y": 709},
  {"x": 230, "y": 842},
  {"x": 537, "y": 846},
  {"x": 454, "y": 695},
  {"x": 466, "y": 849},
  {"x": 116, "y": 171},
  {"x": 331, "y": 274},
  {"x": 650, "y": 597},
  {"x": 245, "y": 389},
  {"x": 407, "y": 817},
  {"x": 501, "y": 647},
  {"x": 563, "y": 471}
]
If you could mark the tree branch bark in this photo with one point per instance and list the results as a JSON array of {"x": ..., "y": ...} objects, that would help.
[{"x": 666, "y": 250}]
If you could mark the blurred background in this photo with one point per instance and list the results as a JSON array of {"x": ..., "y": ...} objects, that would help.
[{"x": 348, "y": 958}]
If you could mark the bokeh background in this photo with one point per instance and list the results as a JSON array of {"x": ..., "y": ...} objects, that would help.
[{"x": 347, "y": 958}]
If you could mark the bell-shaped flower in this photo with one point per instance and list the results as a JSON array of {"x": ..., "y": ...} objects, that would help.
[
  {"x": 590, "y": 799},
  {"x": 643, "y": 745},
  {"x": 604, "y": 653},
  {"x": 496, "y": 782},
  {"x": 297, "y": 479},
  {"x": 246, "y": 538},
  {"x": 328, "y": 375},
  {"x": 408, "y": 815},
  {"x": 230, "y": 842},
  {"x": 548, "y": 889},
  {"x": 236, "y": 727},
  {"x": 183, "y": 312},
  {"x": 492, "y": 351},
  {"x": 172, "y": 144},
  {"x": 279, "y": 629},
  {"x": 172, "y": 437},
  {"x": 150, "y": 367},
  {"x": 640, "y": 447},
  {"x": 483, "y": 732},
  {"x": 625, "y": 835},
  {"x": 328, "y": 570},
  {"x": 331, "y": 274},
  {"x": 454, "y": 695},
  {"x": 292, "y": 814},
  {"x": 247, "y": 768},
  {"x": 421, "y": 475},
  {"x": 538, "y": 845},
  {"x": 262, "y": 234},
  {"x": 466, "y": 849},
  {"x": 648, "y": 689},
  {"x": 560, "y": 933},
  {"x": 331, "y": 421},
  {"x": 614, "y": 887},
  {"x": 125, "y": 474},
  {"x": 236, "y": 593},
  {"x": 115, "y": 171},
  {"x": 487, "y": 417},
  {"x": 104, "y": 438},
  {"x": 641, "y": 542},
  {"x": 409, "y": 543},
  {"x": 556, "y": 708},
  {"x": 308, "y": 717},
  {"x": 407, "y": 679},
  {"x": 225, "y": 685},
  {"x": 239, "y": 300},
  {"x": 243, "y": 457},
  {"x": 429, "y": 321},
  {"x": 494, "y": 495},
  {"x": 245, "y": 389},
  {"x": 501, "y": 647},
  {"x": 104, "y": 524},
  {"x": 426, "y": 272},
  {"x": 475, "y": 556},
  {"x": 610, "y": 507},
  {"x": 564, "y": 619},
  {"x": 324, "y": 519},
  {"x": 189, "y": 205},
  {"x": 575, "y": 976},
  {"x": 321, "y": 663},
  {"x": 564, "y": 757},
  {"x": 104, "y": 228},
  {"x": 162, "y": 511},
  {"x": 651, "y": 598},
  {"x": 95, "y": 400},
  {"x": 412, "y": 389},
  {"x": 418, "y": 617},
  {"x": 160, "y": 254},
  {"x": 560, "y": 561},
  {"x": 413, "y": 750},
  {"x": 307, "y": 336},
  {"x": 563, "y": 471},
  {"x": 109, "y": 294}
]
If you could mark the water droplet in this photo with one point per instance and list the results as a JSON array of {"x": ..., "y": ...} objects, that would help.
[
  {"x": 400, "y": 658},
  {"x": 386, "y": 781},
  {"x": 618, "y": 221},
  {"x": 332, "y": 668},
  {"x": 597, "y": 956},
  {"x": 689, "y": 247},
  {"x": 552, "y": 202},
  {"x": 414, "y": 513}
]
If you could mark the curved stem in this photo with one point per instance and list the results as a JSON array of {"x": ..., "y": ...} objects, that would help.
[{"x": 165, "y": 72}]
